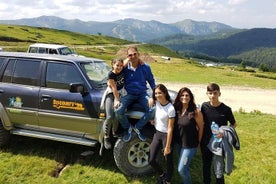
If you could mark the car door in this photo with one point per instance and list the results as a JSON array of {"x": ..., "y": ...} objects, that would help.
[
  {"x": 19, "y": 91},
  {"x": 62, "y": 111}
]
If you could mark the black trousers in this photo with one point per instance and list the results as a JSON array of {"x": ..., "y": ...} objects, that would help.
[
  {"x": 207, "y": 157},
  {"x": 158, "y": 143}
]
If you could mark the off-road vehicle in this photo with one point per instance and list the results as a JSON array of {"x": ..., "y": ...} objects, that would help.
[
  {"x": 58, "y": 98},
  {"x": 45, "y": 48}
]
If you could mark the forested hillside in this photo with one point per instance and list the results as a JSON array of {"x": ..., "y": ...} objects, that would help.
[{"x": 256, "y": 46}]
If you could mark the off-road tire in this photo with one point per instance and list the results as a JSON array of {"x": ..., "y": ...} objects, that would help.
[
  {"x": 132, "y": 157},
  {"x": 4, "y": 135}
]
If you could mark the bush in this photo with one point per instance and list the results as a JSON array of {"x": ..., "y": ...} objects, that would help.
[
  {"x": 265, "y": 76},
  {"x": 246, "y": 70},
  {"x": 263, "y": 67}
]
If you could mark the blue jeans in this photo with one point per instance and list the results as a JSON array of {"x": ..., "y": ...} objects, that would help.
[
  {"x": 185, "y": 158},
  {"x": 126, "y": 101}
]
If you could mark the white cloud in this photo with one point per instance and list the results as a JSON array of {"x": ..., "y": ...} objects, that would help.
[
  {"x": 237, "y": 13},
  {"x": 236, "y": 2}
]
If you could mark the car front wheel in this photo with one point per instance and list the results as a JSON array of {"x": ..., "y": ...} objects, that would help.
[{"x": 132, "y": 157}]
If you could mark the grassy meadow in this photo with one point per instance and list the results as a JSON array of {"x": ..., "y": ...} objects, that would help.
[
  {"x": 26, "y": 160},
  {"x": 186, "y": 71}
]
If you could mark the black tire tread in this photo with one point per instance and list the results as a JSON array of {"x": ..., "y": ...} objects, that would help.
[{"x": 4, "y": 135}]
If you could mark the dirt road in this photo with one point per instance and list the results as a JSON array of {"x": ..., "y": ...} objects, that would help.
[{"x": 249, "y": 99}]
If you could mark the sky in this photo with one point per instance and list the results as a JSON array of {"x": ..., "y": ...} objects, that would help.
[{"x": 236, "y": 13}]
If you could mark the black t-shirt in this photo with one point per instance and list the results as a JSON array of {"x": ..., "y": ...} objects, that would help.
[
  {"x": 118, "y": 78},
  {"x": 221, "y": 115},
  {"x": 187, "y": 129}
]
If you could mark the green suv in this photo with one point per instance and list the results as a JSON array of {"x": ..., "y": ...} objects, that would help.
[{"x": 58, "y": 98}]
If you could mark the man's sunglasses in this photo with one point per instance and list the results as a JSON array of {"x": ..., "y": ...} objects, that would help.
[{"x": 130, "y": 55}]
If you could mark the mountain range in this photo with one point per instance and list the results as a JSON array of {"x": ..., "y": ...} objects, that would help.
[
  {"x": 187, "y": 37},
  {"x": 128, "y": 29}
]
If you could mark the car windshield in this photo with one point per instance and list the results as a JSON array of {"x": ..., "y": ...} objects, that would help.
[
  {"x": 65, "y": 51},
  {"x": 97, "y": 72}
]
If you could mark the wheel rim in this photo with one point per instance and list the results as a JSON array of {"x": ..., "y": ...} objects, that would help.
[{"x": 138, "y": 154}]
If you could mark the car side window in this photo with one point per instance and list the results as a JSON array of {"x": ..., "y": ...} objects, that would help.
[
  {"x": 33, "y": 50},
  {"x": 21, "y": 71},
  {"x": 60, "y": 75},
  {"x": 1, "y": 61},
  {"x": 42, "y": 50},
  {"x": 53, "y": 51},
  {"x": 65, "y": 51},
  {"x": 26, "y": 72},
  {"x": 1, "y": 65},
  {"x": 7, "y": 77}
]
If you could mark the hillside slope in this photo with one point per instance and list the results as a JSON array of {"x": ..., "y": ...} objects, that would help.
[
  {"x": 238, "y": 45},
  {"x": 18, "y": 38}
]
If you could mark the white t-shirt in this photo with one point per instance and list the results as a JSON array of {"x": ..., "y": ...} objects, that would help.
[{"x": 162, "y": 115}]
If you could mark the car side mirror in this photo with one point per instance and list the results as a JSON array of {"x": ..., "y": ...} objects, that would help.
[{"x": 77, "y": 88}]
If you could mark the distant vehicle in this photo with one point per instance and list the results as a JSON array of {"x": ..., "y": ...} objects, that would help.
[
  {"x": 165, "y": 57},
  {"x": 44, "y": 48}
]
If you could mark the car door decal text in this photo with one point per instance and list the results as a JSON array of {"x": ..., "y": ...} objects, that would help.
[{"x": 60, "y": 104}]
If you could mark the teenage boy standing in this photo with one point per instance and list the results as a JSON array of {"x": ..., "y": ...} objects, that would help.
[{"x": 216, "y": 111}]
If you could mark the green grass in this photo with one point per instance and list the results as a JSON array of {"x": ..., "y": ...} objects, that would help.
[
  {"x": 46, "y": 35},
  {"x": 18, "y": 38},
  {"x": 186, "y": 71},
  {"x": 256, "y": 161},
  {"x": 28, "y": 160}
]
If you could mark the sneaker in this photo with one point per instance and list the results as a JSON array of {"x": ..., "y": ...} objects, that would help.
[
  {"x": 115, "y": 135},
  {"x": 140, "y": 135},
  {"x": 107, "y": 143},
  {"x": 162, "y": 179},
  {"x": 127, "y": 135}
]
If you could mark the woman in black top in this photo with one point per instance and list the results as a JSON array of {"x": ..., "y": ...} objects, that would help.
[
  {"x": 112, "y": 101},
  {"x": 189, "y": 132}
]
